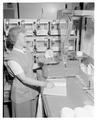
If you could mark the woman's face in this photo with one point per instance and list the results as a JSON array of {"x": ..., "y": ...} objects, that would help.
[
  {"x": 22, "y": 39},
  {"x": 24, "y": 42}
]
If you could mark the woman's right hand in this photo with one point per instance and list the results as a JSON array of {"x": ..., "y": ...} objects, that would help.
[{"x": 50, "y": 85}]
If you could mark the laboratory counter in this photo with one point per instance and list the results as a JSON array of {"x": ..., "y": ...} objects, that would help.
[{"x": 75, "y": 96}]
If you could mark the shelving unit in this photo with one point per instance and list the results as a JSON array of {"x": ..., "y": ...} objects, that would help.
[{"x": 43, "y": 33}]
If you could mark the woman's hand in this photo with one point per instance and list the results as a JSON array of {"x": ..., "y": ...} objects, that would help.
[{"x": 50, "y": 85}]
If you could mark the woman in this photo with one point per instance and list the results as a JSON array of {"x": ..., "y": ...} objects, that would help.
[{"x": 24, "y": 94}]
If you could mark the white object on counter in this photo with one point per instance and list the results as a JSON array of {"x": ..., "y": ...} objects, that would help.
[
  {"x": 83, "y": 68},
  {"x": 90, "y": 69},
  {"x": 67, "y": 112},
  {"x": 89, "y": 109},
  {"x": 86, "y": 111},
  {"x": 87, "y": 69},
  {"x": 80, "y": 112},
  {"x": 59, "y": 88}
]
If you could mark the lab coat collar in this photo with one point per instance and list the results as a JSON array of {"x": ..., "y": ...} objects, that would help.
[{"x": 20, "y": 50}]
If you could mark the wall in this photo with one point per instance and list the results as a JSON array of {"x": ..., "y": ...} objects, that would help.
[{"x": 34, "y": 10}]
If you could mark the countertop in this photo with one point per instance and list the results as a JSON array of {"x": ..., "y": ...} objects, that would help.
[{"x": 76, "y": 95}]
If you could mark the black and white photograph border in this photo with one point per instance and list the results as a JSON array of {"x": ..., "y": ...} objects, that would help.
[{"x": 56, "y": 84}]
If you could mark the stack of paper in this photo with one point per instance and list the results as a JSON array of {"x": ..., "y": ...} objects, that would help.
[{"x": 58, "y": 89}]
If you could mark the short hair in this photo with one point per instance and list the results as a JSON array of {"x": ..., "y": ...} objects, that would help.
[{"x": 12, "y": 35}]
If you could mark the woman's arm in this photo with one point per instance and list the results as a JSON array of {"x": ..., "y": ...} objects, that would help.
[
  {"x": 30, "y": 81},
  {"x": 19, "y": 73}
]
